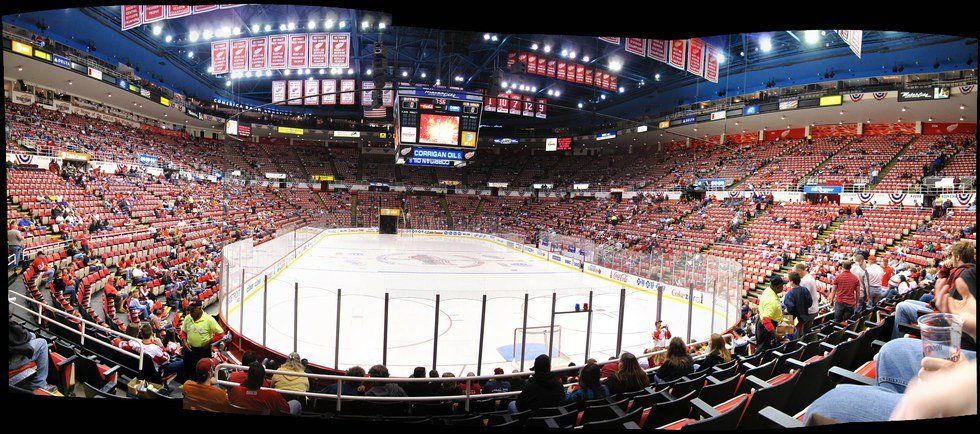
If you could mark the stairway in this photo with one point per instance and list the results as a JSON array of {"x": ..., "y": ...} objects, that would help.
[
  {"x": 353, "y": 210},
  {"x": 888, "y": 166},
  {"x": 824, "y": 162},
  {"x": 445, "y": 208}
]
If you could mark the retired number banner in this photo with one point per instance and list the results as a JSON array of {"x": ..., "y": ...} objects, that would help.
[
  {"x": 328, "y": 90},
  {"x": 295, "y": 92},
  {"x": 347, "y": 87},
  {"x": 311, "y": 92},
  {"x": 657, "y": 49},
  {"x": 278, "y": 92},
  {"x": 711, "y": 64}
]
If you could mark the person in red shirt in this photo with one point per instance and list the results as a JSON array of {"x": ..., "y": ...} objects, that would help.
[
  {"x": 239, "y": 376},
  {"x": 251, "y": 395},
  {"x": 847, "y": 289}
]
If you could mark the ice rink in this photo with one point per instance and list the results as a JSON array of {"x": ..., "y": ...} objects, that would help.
[{"x": 413, "y": 269}]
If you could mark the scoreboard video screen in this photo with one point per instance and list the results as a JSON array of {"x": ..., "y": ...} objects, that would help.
[{"x": 428, "y": 119}]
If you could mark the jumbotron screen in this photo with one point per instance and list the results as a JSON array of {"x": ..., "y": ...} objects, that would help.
[{"x": 442, "y": 118}]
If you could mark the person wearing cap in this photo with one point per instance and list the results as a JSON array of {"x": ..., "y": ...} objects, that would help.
[
  {"x": 542, "y": 390},
  {"x": 200, "y": 387},
  {"x": 494, "y": 385},
  {"x": 252, "y": 396},
  {"x": 770, "y": 314},
  {"x": 847, "y": 289},
  {"x": 200, "y": 330}
]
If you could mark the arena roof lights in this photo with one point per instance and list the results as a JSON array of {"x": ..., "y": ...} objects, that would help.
[
  {"x": 765, "y": 44},
  {"x": 811, "y": 37}
]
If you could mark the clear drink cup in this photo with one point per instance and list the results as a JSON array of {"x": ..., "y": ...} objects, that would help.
[{"x": 940, "y": 334}]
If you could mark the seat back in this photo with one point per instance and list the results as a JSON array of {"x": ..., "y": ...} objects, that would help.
[
  {"x": 695, "y": 384},
  {"x": 812, "y": 382},
  {"x": 715, "y": 394},
  {"x": 772, "y": 396},
  {"x": 667, "y": 412},
  {"x": 724, "y": 421}
]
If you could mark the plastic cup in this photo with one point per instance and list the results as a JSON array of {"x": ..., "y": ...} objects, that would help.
[{"x": 940, "y": 334}]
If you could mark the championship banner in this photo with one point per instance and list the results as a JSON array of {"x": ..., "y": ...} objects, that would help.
[
  {"x": 542, "y": 65},
  {"x": 347, "y": 87},
  {"x": 318, "y": 50},
  {"x": 298, "y": 50},
  {"x": 340, "y": 50},
  {"x": 589, "y": 73},
  {"x": 711, "y": 63},
  {"x": 562, "y": 73},
  {"x": 295, "y": 92},
  {"x": 311, "y": 92},
  {"x": 153, "y": 13},
  {"x": 503, "y": 102},
  {"x": 132, "y": 16},
  {"x": 695, "y": 57},
  {"x": 366, "y": 88},
  {"x": 657, "y": 49},
  {"x": 532, "y": 64},
  {"x": 239, "y": 55},
  {"x": 204, "y": 8},
  {"x": 603, "y": 80},
  {"x": 677, "y": 53},
  {"x": 219, "y": 57},
  {"x": 637, "y": 46},
  {"x": 511, "y": 58},
  {"x": 278, "y": 92},
  {"x": 610, "y": 39},
  {"x": 258, "y": 53},
  {"x": 551, "y": 68},
  {"x": 853, "y": 39},
  {"x": 328, "y": 90},
  {"x": 177, "y": 11},
  {"x": 613, "y": 82},
  {"x": 542, "y": 108},
  {"x": 388, "y": 95},
  {"x": 580, "y": 73},
  {"x": 528, "y": 106},
  {"x": 277, "y": 51}
]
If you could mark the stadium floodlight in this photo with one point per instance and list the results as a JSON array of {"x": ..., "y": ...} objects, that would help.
[
  {"x": 580, "y": 105},
  {"x": 365, "y": 24},
  {"x": 291, "y": 26},
  {"x": 615, "y": 65},
  {"x": 534, "y": 88},
  {"x": 534, "y": 46},
  {"x": 550, "y": 92},
  {"x": 286, "y": 72},
  {"x": 307, "y": 71},
  {"x": 547, "y": 48},
  {"x": 226, "y": 31},
  {"x": 765, "y": 44},
  {"x": 382, "y": 26},
  {"x": 157, "y": 29},
  {"x": 493, "y": 38},
  {"x": 721, "y": 58},
  {"x": 572, "y": 55},
  {"x": 237, "y": 31},
  {"x": 404, "y": 73},
  {"x": 190, "y": 54},
  {"x": 369, "y": 71},
  {"x": 585, "y": 58},
  {"x": 193, "y": 36},
  {"x": 311, "y": 25},
  {"x": 268, "y": 73},
  {"x": 322, "y": 71},
  {"x": 622, "y": 89},
  {"x": 350, "y": 71},
  {"x": 168, "y": 39},
  {"x": 342, "y": 24},
  {"x": 256, "y": 28},
  {"x": 248, "y": 74},
  {"x": 811, "y": 37},
  {"x": 268, "y": 27},
  {"x": 603, "y": 96},
  {"x": 458, "y": 78},
  {"x": 503, "y": 84},
  {"x": 227, "y": 83},
  {"x": 206, "y": 34},
  {"x": 328, "y": 24},
  {"x": 557, "y": 93},
  {"x": 656, "y": 76},
  {"x": 486, "y": 36},
  {"x": 564, "y": 53},
  {"x": 422, "y": 74}
]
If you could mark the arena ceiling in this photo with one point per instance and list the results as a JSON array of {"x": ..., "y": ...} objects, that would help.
[{"x": 469, "y": 59}]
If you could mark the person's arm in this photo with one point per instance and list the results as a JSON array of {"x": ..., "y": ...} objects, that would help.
[{"x": 965, "y": 307}]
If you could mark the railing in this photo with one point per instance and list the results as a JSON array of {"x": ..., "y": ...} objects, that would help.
[
  {"x": 466, "y": 396},
  {"x": 83, "y": 329}
]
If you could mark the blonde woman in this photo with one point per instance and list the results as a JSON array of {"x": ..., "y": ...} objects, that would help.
[
  {"x": 717, "y": 353},
  {"x": 291, "y": 382}
]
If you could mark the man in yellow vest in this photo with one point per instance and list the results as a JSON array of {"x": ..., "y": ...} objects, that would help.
[
  {"x": 770, "y": 315},
  {"x": 200, "y": 330}
]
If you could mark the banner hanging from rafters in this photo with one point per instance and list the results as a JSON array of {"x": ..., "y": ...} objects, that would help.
[
  {"x": 853, "y": 39},
  {"x": 293, "y": 51},
  {"x": 136, "y": 15}
]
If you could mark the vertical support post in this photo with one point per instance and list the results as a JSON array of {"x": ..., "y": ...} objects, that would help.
[
  {"x": 588, "y": 329},
  {"x": 524, "y": 332},
  {"x": 384, "y": 334},
  {"x": 265, "y": 305},
  {"x": 728, "y": 299},
  {"x": 340, "y": 388},
  {"x": 483, "y": 324},
  {"x": 295, "y": 317},
  {"x": 619, "y": 327},
  {"x": 435, "y": 336},
  {"x": 336, "y": 344},
  {"x": 714, "y": 296},
  {"x": 241, "y": 310},
  {"x": 551, "y": 332},
  {"x": 660, "y": 300},
  {"x": 83, "y": 334},
  {"x": 690, "y": 310}
]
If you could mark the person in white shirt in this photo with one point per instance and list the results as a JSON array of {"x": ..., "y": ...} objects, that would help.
[
  {"x": 875, "y": 275},
  {"x": 859, "y": 269},
  {"x": 810, "y": 283}
]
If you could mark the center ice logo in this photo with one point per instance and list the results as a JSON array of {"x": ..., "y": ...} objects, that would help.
[{"x": 415, "y": 259}]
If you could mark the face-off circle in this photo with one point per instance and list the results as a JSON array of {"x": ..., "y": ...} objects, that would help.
[{"x": 430, "y": 260}]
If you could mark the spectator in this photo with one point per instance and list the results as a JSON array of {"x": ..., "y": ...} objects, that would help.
[
  {"x": 797, "y": 303},
  {"x": 678, "y": 364},
  {"x": 844, "y": 297},
  {"x": 517, "y": 383},
  {"x": 770, "y": 315},
  {"x": 474, "y": 386},
  {"x": 417, "y": 388},
  {"x": 875, "y": 275},
  {"x": 200, "y": 330},
  {"x": 589, "y": 387},
  {"x": 660, "y": 335},
  {"x": 200, "y": 387},
  {"x": 291, "y": 382},
  {"x": 959, "y": 269},
  {"x": 543, "y": 390},
  {"x": 15, "y": 242},
  {"x": 630, "y": 377},
  {"x": 252, "y": 396},
  {"x": 717, "y": 353},
  {"x": 810, "y": 283},
  {"x": 382, "y": 389},
  {"x": 238, "y": 376},
  {"x": 348, "y": 388},
  {"x": 24, "y": 347},
  {"x": 494, "y": 385}
]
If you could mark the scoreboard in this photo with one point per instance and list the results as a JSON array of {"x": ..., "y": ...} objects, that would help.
[{"x": 436, "y": 127}]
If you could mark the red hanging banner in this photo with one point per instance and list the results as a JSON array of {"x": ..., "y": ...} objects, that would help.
[
  {"x": 298, "y": 50},
  {"x": 219, "y": 57},
  {"x": 677, "y": 53},
  {"x": 657, "y": 49},
  {"x": 278, "y": 48},
  {"x": 695, "y": 57},
  {"x": 340, "y": 50},
  {"x": 319, "y": 43},
  {"x": 637, "y": 46},
  {"x": 258, "y": 53},
  {"x": 239, "y": 55},
  {"x": 132, "y": 16}
]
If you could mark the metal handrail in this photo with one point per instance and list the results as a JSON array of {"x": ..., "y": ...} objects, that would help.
[{"x": 84, "y": 324}]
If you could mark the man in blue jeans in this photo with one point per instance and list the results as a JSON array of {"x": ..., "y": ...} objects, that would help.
[
  {"x": 908, "y": 312},
  {"x": 898, "y": 363}
]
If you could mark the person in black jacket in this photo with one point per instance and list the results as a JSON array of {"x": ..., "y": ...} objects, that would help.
[
  {"x": 542, "y": 390},
  {"x": 417, "y": 388},
  {"x": 797, "y": 303},
  {"x": 630, "y": 377},
  {"x": 678, "y": 364}
]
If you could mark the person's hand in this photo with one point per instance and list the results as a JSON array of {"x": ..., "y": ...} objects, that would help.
[
  {"x": 947, "y": 393},
  {"x": 932, "y": 366},
  {"x": 965, "y": 307}
]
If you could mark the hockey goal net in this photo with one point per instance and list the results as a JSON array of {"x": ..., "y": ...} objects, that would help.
[{"x": 536, "y": 341}]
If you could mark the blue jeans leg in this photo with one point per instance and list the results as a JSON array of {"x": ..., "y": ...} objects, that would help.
[
  {"x": 853, "y": 403},
  {"x": 40, "y": 358},
  {"x": 899, "y": 361},
  {"x": 926, "y": 298},
  {"x": 907, "y": 312}
]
